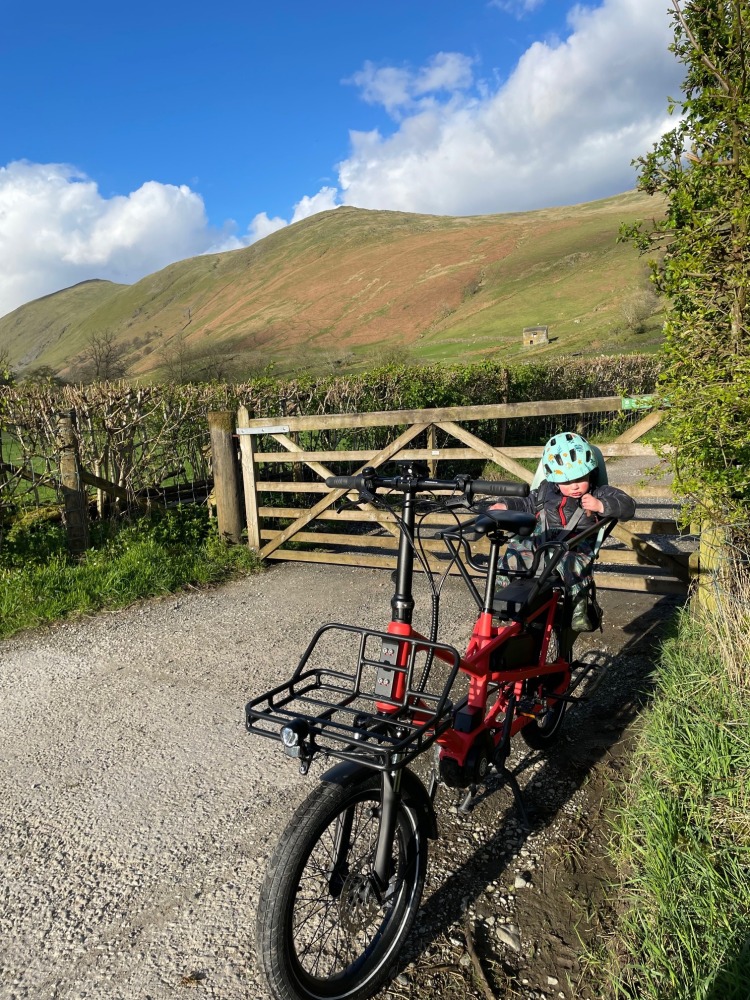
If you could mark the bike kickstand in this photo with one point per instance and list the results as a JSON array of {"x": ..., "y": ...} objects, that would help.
[
  {"x": 467, "y": 803},
  {"x": 510, "y": 778}
]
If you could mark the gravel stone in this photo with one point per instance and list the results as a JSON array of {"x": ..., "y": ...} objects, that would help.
[{"x": 137, "y": 815}]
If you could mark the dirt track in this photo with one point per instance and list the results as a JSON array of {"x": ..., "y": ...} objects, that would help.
[{"x": 137, "y": 813}]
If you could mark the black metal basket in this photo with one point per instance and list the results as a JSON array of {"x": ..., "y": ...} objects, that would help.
[{"x": 349, "y": 714}]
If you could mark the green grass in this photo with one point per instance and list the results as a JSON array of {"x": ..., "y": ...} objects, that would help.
[
  {"x": 683, "y": 835},
  {"x": 166, "y": 552}
]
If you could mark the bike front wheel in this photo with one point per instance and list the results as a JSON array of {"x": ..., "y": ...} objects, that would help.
[{"x": 323, "y": 931}]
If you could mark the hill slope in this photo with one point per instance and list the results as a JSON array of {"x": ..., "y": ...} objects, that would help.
[{"x": 352, "y": 284}]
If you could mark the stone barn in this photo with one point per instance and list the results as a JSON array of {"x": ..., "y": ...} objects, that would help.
[{"x": 533, "y": 335}]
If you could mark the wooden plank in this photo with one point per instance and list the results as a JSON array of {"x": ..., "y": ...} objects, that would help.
[
  {"x": 433, "y": 520},
  {"x": 411, "y": 454},
  {"x": 493, "y": 411},
  {"x": 607, "y": 557},
  {"x": 387, "y": 453},
  {"x": 249, "y": 481},
  {"x": 326, "y": 514},
  {"x": 645, "y": 527},
  {"x": 640, "y": 584},
  {"x": 485, "y": 450},
  {"x": 643, "y": 426},
  {"x": 431, "y": 455},
  {"x": 651, "y": 526},
  {"x": 104, "y": 484},
  {"x": 649, "y": 552},
  {"x": 359, "y": 541},
  {"x": 648, "y": 492},
  {"x": 655, "y": 492},
  {"x": 323, "y": 471},
  {"x": 367, "y": 560}
]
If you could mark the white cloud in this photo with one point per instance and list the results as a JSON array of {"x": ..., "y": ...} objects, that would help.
[
  {"x": 56, "y": 229},
  {"x": 263, "y": 226},
  {"x": 517, "y": 7},
  {"x": 400, "y": 87},
  {"x": 323, "y": 201},
  {"x": 562, "y": 128}
]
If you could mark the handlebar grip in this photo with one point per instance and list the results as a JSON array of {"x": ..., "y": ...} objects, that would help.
[
  {"x": 500, "y": 489},
  {"x": 345, "y": 482}
]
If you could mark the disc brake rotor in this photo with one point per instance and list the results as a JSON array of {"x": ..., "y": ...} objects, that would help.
[{"x": 359, "y": 903}]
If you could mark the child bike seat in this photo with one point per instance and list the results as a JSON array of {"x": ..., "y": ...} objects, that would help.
[{"x": 520, "y": 598}]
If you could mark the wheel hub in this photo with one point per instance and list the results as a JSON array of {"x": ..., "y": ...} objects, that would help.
[{"x": 359, "y": 903}]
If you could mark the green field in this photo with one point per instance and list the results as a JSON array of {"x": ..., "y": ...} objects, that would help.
[{"x": 345, "y": 289}]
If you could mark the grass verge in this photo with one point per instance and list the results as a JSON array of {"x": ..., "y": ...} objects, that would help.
[
  {"x": 683, "y": 834},
  {"x": 159, "y": 554}
]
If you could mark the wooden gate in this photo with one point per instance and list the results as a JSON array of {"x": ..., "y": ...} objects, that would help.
[{"x": 632, "y": 559}]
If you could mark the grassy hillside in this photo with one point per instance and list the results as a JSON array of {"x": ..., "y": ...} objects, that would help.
[{"x": 351, "y": 286}]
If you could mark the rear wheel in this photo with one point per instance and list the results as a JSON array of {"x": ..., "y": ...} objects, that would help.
[
  {"x": 323, "y": 929},
  {"x": 545, "y": 729}
]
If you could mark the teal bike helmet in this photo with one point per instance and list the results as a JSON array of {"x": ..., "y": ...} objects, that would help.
[{"x": 568, "y": 456}]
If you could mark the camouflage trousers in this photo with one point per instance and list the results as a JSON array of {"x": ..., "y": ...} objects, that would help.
[{"x": 574, "y": 568}]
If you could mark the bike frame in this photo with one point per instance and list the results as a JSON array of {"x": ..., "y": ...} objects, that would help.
[
  {"x": 502, "y": 698},
  {"x": 494, "y": 695}
]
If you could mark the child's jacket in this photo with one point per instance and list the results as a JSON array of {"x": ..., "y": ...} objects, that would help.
[{"x": 557, "y": 511}]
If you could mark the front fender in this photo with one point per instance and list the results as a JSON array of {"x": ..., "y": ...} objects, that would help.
[{"x": 413, "y": 792}]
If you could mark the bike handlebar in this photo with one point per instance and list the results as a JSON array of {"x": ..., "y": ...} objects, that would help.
[{"x": 469, "y": 486}]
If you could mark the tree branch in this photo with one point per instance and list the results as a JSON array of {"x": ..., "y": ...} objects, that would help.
[{"x": 698, "y": 48}]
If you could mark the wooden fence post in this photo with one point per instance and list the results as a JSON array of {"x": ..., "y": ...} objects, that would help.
[
  {"x": 712, "y": 565},
  {"x": 249, "y": 481},
  {"x": 74, "y": 496},
  {"x": 226, "y": 474}
]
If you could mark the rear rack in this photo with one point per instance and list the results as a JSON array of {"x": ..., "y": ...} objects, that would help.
[{"x": 340, "y": 713}]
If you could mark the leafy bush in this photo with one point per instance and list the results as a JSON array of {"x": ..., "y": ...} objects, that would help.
[{"x": 157, "y": 554}]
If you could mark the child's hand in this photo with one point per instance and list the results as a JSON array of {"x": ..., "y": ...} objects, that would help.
[
  {"x": 591, "y": 505},
  {"x": 498, "y": 506}
]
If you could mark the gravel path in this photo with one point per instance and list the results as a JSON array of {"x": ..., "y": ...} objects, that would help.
[{"x": 137, "y": 813}]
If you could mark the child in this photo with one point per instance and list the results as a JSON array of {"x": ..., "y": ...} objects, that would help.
[{"x": 565, "y": 502}]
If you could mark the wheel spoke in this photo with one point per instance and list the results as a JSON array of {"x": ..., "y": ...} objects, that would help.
[{"x": 331, "y": 931}]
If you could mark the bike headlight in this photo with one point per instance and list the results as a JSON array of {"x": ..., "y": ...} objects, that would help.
[{"x": 293, "y": 734}]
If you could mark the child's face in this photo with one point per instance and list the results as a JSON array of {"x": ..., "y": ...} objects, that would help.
[{"x": 575, "y": 488}]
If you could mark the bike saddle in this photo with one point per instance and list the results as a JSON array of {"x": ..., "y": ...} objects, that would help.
[{"x": 512, "y": 522}]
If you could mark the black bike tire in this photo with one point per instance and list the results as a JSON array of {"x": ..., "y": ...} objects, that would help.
[
  {"x": 541, "y": 737},
  {"x": 284, "y": 975}
]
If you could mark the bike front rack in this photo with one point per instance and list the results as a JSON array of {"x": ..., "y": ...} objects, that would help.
[{"x": 342, "y": 713}]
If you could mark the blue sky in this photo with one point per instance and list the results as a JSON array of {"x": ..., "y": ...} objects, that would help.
[{"x": 138, "y": 134}]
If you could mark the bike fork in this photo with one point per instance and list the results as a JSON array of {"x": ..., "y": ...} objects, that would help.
[{"x": 389, "y": 803}]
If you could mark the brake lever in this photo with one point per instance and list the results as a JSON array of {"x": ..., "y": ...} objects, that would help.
[
  {"x": 365, "y": 496},
  {"x": 346, "y": 504},
  {"x": 457, "y": 503}
]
